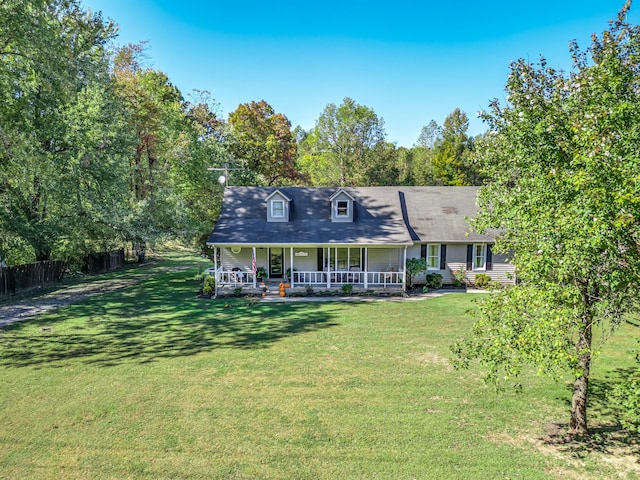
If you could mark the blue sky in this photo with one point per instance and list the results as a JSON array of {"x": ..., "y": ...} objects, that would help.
[{"x": 409, "y": 61}]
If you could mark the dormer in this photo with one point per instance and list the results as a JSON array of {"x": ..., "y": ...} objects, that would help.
[
  {"x": 341, "y": 206},
  {"x": 278, "y": 207}
]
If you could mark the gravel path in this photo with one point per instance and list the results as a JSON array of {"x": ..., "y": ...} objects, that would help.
[{"x": 31, "y": 307}]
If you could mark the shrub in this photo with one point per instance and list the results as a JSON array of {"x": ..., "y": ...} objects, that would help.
[
  {"x": 434, "y": 280},
  {"x": 308, "y": 290},
  {"x": 459, "y": 277},
  {"x": 425, "y": 289},
  {"x": 483, "y": 280},
  {"x": 347, "y": 288},
  {"x": 209, "y": 285},
  {"x": 237, "y": 291},
  {"x": 414, "y": 267}
]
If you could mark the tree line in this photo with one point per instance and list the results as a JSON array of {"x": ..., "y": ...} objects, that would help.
[{"x": 99, "y": 149}]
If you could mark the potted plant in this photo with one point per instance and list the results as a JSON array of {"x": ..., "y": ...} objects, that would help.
[{"x": 261, "y": 274}]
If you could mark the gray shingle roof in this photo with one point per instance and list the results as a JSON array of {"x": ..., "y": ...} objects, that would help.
[
  {"x": 438, "y": 214},
  {"x": 435, "y": 214}
]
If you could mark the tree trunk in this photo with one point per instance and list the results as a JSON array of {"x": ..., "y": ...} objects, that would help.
[{"x": 578, "y": 422}]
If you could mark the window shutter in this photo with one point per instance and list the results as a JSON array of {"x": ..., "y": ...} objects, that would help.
[
  {"x": 320, "y": 259},
  {"x": 423, "y": 251},
  {"x": 443, "y": 257},
  {"x": 470, "y": 257},
  {"x": 489, "y": 257}
]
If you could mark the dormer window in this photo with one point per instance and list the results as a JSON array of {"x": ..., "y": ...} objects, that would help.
[
  {"x": 342, "y": 208},
  {"x": 278, "y": 207}
]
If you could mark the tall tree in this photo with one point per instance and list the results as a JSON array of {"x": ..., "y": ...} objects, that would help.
[
  {"x": 452, "y": 151},
  {"x": 429, "y": 134},
  {"x": 201, "y": 193},
  {"x": 341, "y": 144},
  {"x": 562, "y": 161},
  {"x": 156, "y": 118},
  {"x": 53, "y": 77},
  {"x": 262, "y": 140}
]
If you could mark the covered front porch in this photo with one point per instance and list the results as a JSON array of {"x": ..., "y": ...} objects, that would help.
[{"x": 320, "y": 267}]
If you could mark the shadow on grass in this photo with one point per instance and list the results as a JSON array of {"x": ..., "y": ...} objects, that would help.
[
  {"x": 607, "y": 438},
  {"x": 158, "y": 318}
]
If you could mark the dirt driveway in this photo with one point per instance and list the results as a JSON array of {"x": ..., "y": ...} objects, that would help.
[{"x": 16, "y": 311}]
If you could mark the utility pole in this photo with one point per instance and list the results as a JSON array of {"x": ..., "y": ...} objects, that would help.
[{"x": 224, "y": 178}]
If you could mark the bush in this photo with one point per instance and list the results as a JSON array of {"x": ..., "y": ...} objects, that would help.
[
  {"x": 209, "y": 285},
  {"x": 347, "y": 288},
  {"x": 414, "y": 266},
  {"x": 458, "y": 277},
  {"x": 434, "y": 280},
  {"x": 309, "y": 290},
  {"x": 483, "y": 280}
]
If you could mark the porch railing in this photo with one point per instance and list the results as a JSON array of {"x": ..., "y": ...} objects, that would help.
[
  {"x": 341, "y": 278},
  {"x": 234, "y": 277},
  {"x": 238, "y": 278}
]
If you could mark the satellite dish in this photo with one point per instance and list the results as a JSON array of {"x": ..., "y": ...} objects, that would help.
[{"x": 222, "y": 179}]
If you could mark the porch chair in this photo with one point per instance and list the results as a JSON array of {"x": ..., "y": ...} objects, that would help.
[
  {"x": 237, "y": 276},
  {"x": 354, "y": 277},
  {"x": 388, "y": 275}
]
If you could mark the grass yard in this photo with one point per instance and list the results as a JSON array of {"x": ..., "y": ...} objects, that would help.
[{"x": 151, "y": 382}]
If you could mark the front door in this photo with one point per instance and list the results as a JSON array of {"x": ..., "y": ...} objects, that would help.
[{"x": 276, "y": 256}]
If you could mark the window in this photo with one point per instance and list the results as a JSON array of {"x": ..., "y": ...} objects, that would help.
[
  {"x": 433, "y": 256},
  {"x": 479, "y": 256},
  {"x": 345, "y": 258},
  {"x": 277, "y": 208},
  {"x": 342, "y": 208}
]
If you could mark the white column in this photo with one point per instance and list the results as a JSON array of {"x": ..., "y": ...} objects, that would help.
[
  {"x": 404, "y": 270},
  {"x": 366, "y": 267},
  {"x": 328, "y": 267},
  {"x": 291, "y": 268},
  {"x": 215, "y": 273},
  {"x": 253, "y": 250}
]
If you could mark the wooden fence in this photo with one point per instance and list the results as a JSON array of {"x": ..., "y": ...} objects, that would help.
[
  {"x": 104, "y": 262},
  {"x": 30, "y": 275}
]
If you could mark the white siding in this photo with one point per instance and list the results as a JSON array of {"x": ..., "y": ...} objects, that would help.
[
  {"x": 303, "y": 264},
  {"x": 456, "y": 259}
]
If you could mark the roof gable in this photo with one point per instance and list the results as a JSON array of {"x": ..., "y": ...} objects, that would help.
[{"x": 338, "y": 192}]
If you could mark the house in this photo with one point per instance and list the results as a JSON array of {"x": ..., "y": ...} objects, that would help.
[{"x": 328, "y": 237}]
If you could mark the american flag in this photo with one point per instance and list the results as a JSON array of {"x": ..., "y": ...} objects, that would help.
[{"x": 253, "y": 263}]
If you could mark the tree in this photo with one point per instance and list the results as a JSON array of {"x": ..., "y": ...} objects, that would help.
[
  {"x": 452, "y": 151},
  {"x": 201, "y": 193},
  {"x": 59, "y": 128},
  {"x": 156, "y": 119},
  {"x": 262, "y": 140},
  {"x": 562, "y": 161},
  {"x": 340, "y": 146},
  {"x": 429, "y": 134}
]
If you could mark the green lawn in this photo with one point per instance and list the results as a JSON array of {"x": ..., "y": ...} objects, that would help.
[{"x": 151, "y": 382}]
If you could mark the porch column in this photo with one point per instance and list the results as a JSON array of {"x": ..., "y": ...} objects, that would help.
[
  {"x": 291, "y": 269},
  {"x": 328, "y": 267},
  {"x": 366, "y": 267},
  {"x": 254, "y": 260},
  {"x": 216, "y": 280},
  {"x": 404, "y": 270}
]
